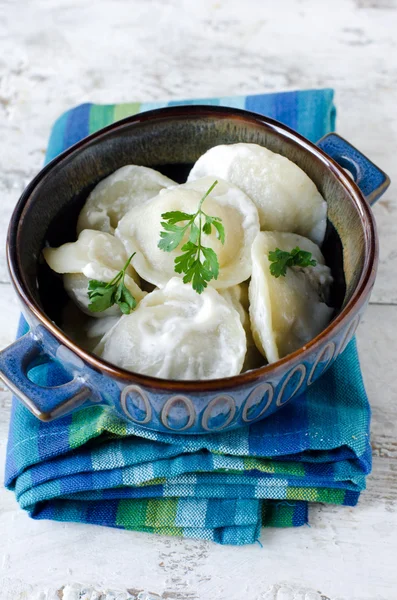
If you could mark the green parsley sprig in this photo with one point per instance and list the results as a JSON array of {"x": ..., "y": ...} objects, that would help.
[
  {"x": 280, "y": 260},
  {"x": 198, "y": 263},
  {"x": 103, "y": 295}
]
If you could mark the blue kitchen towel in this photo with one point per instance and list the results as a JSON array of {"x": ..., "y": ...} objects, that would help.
[{"x": 93, "y": 467}]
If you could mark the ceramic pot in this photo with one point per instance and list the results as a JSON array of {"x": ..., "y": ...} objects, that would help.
[{"x": 171, "y": 140}]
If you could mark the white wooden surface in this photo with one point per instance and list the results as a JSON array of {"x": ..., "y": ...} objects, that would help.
[{"x": 55, "y": 54}]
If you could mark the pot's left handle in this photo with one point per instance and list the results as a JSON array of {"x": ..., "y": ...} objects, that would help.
[
  {"x": 46, "y": 403},
  {"x": 371, "y": 180}
]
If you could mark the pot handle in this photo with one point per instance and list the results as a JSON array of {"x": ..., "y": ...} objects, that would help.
[
  {"x": 46, "y": 403},
  {"x": 371, "y": 180}
]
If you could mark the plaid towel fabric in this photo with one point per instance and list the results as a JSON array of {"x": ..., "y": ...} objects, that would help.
[{"x": 93, "y": 467}]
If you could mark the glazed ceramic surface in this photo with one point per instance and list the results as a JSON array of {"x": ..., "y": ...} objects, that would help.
[{"x": 171, "y": 140}]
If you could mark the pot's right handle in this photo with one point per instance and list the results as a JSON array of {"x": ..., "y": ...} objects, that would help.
[{"x": 371, "y": 180}]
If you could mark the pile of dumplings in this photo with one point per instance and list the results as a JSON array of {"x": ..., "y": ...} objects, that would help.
[{"x": 244, "y": 319}]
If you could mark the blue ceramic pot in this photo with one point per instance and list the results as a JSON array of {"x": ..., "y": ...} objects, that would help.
[{"x": 171, "y": 140}]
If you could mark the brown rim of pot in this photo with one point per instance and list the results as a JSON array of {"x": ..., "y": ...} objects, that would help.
[{"x": 364, "y": 284}]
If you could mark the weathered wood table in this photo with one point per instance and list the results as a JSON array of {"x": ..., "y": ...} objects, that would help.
[{"x": 54, "y": 55}]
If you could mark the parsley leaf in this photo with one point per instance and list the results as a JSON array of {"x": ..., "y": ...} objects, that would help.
[
  {"x": 171, "y": 237},
  {"x": 211, "y": 263},
  {"x": 280, "y": 260},
  {"x": 198, "y": 263},
  {"x": 175, "y": 216},
  {"x": 220, "y": 230},
  {"x": 103, "y": 295}
]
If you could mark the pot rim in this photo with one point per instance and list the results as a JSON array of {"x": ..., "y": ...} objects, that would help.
[{"x": 167, "y": 385}]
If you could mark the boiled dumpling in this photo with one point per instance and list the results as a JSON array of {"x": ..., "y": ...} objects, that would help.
[
  {"x": 113, "y": 197},
  {"x": 287, "y": 312},
  {"x": 95, "y": 255},
  {"x": 175, "y": 333},
  {"x": 237, "y": 295},
  {"x": 140, "y": 230},
  {"x": 286, "y": 198}
]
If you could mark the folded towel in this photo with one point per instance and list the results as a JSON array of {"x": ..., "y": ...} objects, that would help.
[{"x": 93, "y": 467}]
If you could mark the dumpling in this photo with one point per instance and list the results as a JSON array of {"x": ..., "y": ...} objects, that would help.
[
  {"x": 175, "y": 333},
  {"x": 113, "y": 197},
  {"x": 140, "y": 230},
  {"x": 287, "y": 312},
  {"x": 286, "y": 198},
  {"x": 237, "y": 295},
  {"x": 95, "y": 255}
]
